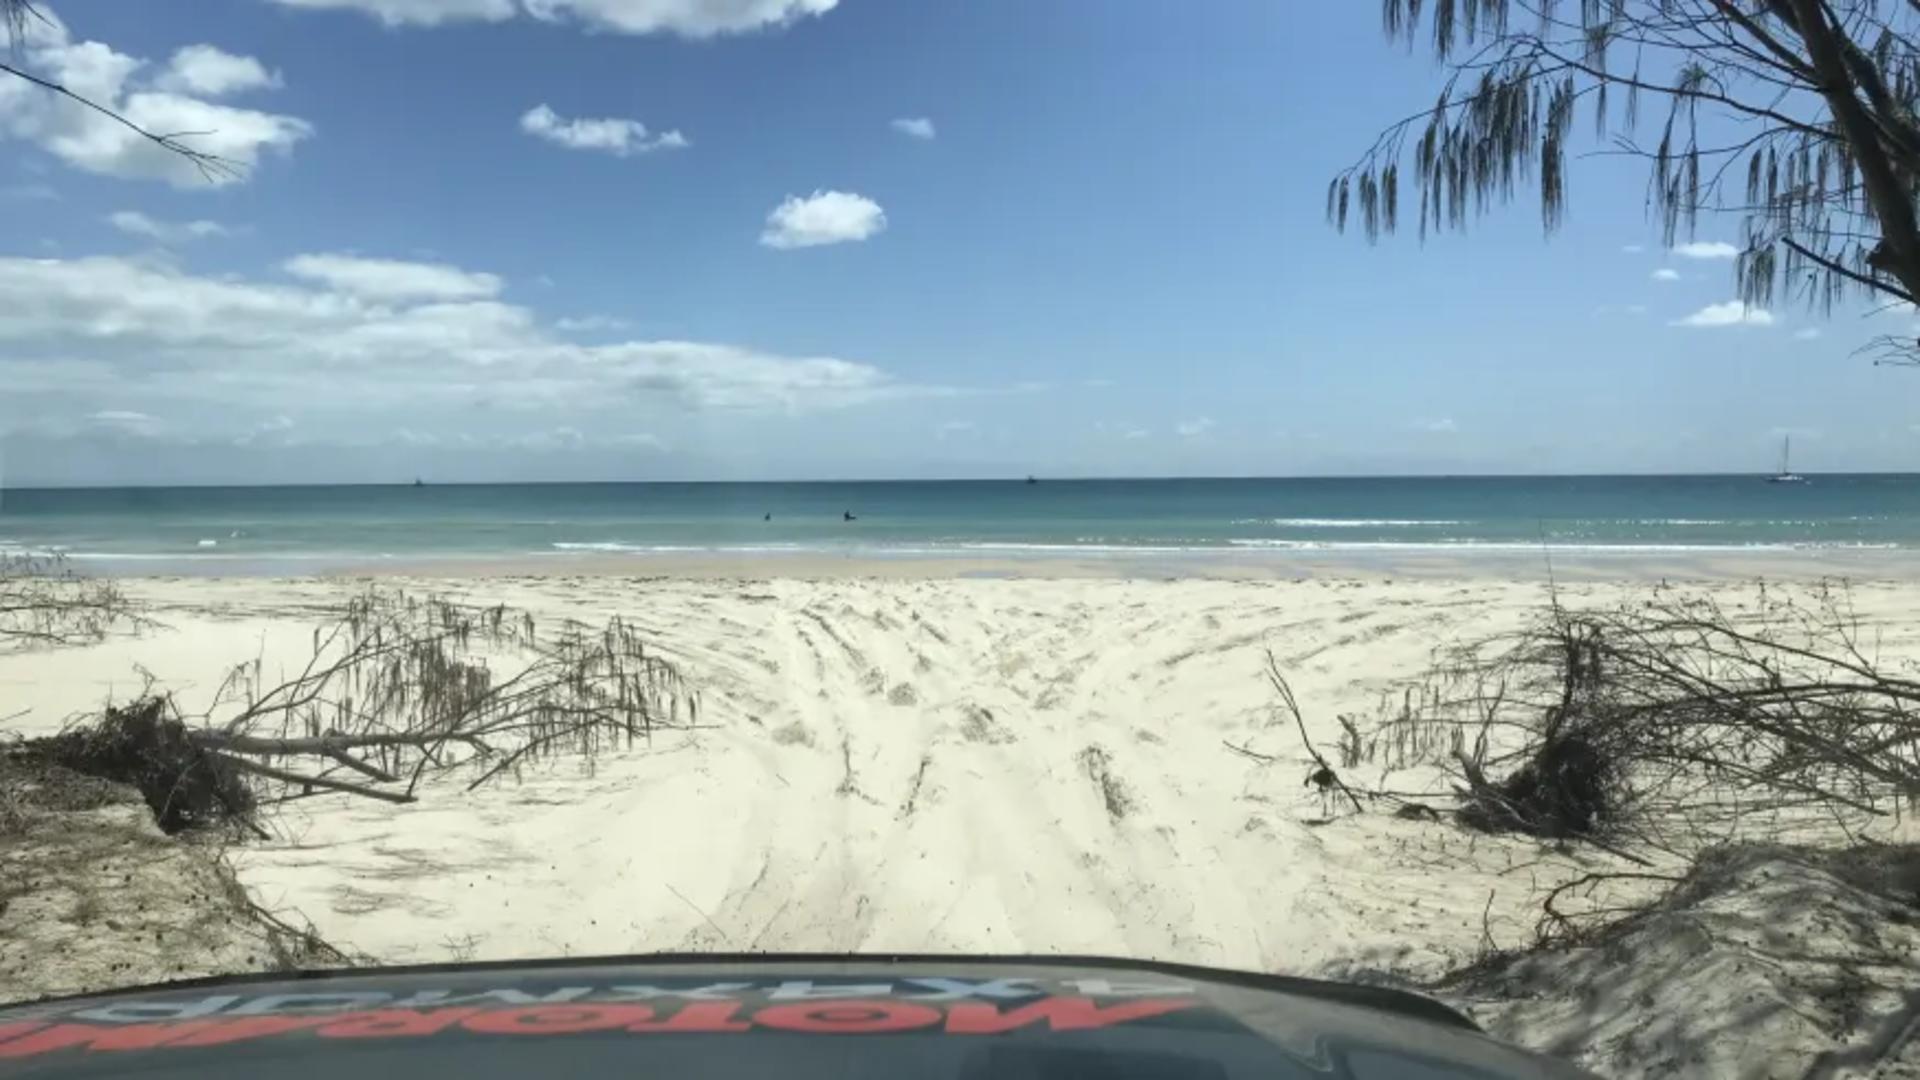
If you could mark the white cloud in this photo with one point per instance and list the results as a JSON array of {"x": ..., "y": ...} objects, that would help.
[
  {"x": 825, "y": 217},
  {"x": 1441, "y": 426},
  {"x": 728, "y": 377},
  {"x": 409, "y": 437},
  {"x": 1806, "y": 333},
  {"x": 918, "y": 127},
  {"x": 1199, "y": 425},
  {"x": 364, "y": 342},
  {"x": 635, "y": 438},
  {"x": 391, "y": 279},
  {"x": 611, "y": 135},
  {"x": 1633, "y": 249},
  {"x": 588, "y": 324},
  {"x": 85, "y": 139},
  {"x": 417, "y": 12},
  {"x": 954, "y": 428},
  {"x": 272, "y": 425},
  {"x": 541, "y": 440},
  {"x": 134, "y": 223},
  {"x": 1134, "y": 433},
  {"x": 121, "y": 417},
  {"x": 560, "y": 438},
  {"x": 209, "y": 71},
  {"x": 122, "y": 424},
  {"x": 690, "y": 18},
  {"x": 1706, "y": 249},
  {"x": 1731, "y": 313},
  {"x": 1666, "y": 274}
]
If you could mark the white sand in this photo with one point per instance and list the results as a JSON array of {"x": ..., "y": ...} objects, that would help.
[
  {"x": 1770, "y": 963},
  {"x": 909, "y": 763},
  {"x": 98, "y": 898}
]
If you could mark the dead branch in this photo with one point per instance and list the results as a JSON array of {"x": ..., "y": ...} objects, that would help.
[
  {"x": 1559, "y": 925},
  {"x": 1323, "y": 775},
  {"x": 312, "y": 780},
  {"x": 397, "y": 690},
  {"x": 44, "y": 604},
  {"x": 1669, "y": 721},
  {"x": 15, "y": 17},
  {"x": 1265, "y": 759},
  {"x": 212, "y": 167}
]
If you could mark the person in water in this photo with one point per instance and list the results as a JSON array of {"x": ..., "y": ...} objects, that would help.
[
  {"x": 847, "y": 515},
  {"x": 769, "y": 517}
]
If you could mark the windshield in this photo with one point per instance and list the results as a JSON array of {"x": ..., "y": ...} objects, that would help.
[{"x": 1408, "y": 494}]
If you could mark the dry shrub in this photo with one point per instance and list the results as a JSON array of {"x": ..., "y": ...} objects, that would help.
[
  {"x": 1568, "y": 788},
  {"x": 43, "y": 603},
  {"x": 145, "y": 746},
  {"x": 397, "y": 689},
  {"x": 1666, "y": 720},
  {"x": 1569, "y": 779}
]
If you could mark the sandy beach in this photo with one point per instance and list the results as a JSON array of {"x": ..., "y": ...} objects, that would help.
[{"x": 898, "y": 761}]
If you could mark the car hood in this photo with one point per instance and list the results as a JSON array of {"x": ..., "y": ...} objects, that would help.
[{"x": 790, "y": 1015}]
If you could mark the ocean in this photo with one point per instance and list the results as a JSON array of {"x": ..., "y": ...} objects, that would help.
[{"x": 290, "y": 526}]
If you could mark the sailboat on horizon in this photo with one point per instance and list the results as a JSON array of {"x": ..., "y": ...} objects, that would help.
[{"x": 1786, "y": 475}]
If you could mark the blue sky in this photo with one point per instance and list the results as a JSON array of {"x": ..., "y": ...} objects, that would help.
[{"x": 544, "y": 239}]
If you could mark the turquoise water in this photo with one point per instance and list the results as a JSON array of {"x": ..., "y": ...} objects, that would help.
[{"x": 294, "y": 524}]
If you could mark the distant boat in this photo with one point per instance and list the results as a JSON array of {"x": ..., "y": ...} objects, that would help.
[
  {"x": 1786, "y": 475},
  {"x": 417, "y": 482},
  {"x": 1031, "y": 480}
]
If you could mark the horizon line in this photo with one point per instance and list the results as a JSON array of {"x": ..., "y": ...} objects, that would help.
[{"x": 1004, "y": 479}]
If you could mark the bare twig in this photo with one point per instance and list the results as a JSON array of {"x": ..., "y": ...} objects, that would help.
[
  {"x": 306, "y": 781},
  {"x": 15, "y": 15},
  {"x": 44, "y": 604},
  {"x": 1555, "y": 923},
  {"x": 1670, "y": 721},
  {"x": 398, "y": 689},
  {"x": 1323, "y": 775},
  {"x": 1244, "y": 752}
]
